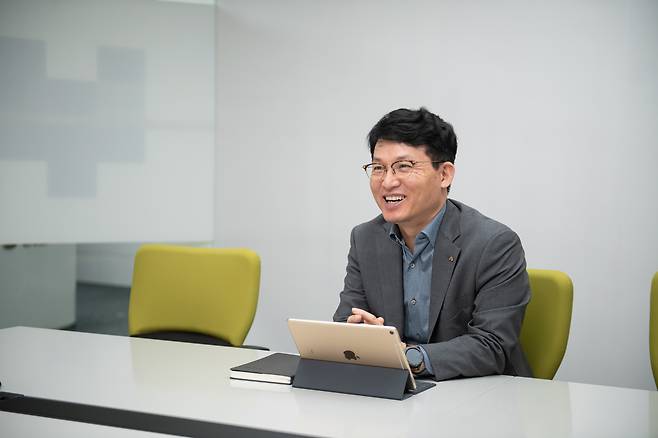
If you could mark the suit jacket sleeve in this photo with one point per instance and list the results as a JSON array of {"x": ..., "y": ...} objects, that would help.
[
  {"x": 491, "y": 335},
  {"x": 353, "y": 294}
]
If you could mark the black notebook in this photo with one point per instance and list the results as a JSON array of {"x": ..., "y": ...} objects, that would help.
[{"x": 275, "y": 368}]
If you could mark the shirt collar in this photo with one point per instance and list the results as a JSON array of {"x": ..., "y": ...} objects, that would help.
[{"x": 430, "y": 231}]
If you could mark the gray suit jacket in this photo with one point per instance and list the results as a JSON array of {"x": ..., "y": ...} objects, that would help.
[{"x": 479, "y": 291}]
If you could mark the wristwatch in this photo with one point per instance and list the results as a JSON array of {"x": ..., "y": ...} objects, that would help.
[{"x": 416, "y": 359}]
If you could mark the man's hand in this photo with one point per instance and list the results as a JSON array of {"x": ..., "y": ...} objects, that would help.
[{"x": 359, "y": 316}]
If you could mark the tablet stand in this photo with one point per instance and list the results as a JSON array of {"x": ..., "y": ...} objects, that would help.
[{"x": 351, "y": 378}]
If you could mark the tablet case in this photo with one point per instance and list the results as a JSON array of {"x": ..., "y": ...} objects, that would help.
[{"x": 348, "y": 378}]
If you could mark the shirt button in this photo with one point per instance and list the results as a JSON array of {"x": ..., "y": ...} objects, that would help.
[
  {"x": 413, "y": 301},
  {"x": 412, "y": 265}
]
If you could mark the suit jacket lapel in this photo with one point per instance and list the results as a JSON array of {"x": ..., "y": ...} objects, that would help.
[
  {"x": 445, "y": 258},
  {"x": 391, "y": 285}
]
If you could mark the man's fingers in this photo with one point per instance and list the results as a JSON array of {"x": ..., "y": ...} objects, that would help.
[
  {"x": 355, "y": 319},
  {"x": 365, "y": 314},
  {"x": 366, "y": 317}
]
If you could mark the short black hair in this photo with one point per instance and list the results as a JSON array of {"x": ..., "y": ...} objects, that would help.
[{"x": 417, "y": 128}]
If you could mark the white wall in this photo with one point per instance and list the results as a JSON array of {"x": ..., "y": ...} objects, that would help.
[
  {"x": 555, "y": 106},
  {"x": 107, "y": 129}
]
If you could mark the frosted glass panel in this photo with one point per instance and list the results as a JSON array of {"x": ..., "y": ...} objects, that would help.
[{"x": 106, "y": 121}]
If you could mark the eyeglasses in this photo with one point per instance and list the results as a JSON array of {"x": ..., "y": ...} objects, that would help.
[{"x": 403, "y": 168}]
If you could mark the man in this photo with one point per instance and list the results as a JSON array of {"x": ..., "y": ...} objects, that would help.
[{"x": 451, "y": 280}]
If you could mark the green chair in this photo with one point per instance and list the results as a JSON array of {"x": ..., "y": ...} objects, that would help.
[
  {"x": 545, "y": 328},
  {"x": 189, "y": 294},
  {"x": 653, "y": 328}
]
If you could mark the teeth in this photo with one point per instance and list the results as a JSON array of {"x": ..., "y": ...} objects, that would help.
[{"x": 396, "y": 198}]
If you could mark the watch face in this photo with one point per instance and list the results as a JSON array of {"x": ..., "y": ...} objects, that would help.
[{"x": 414, "y": 357}]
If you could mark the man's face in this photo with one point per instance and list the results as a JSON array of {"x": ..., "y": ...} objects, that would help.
[{"x": 412, "y": 200}]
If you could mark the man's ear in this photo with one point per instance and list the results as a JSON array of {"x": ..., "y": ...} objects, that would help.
[{"x": 447, "y": 174}]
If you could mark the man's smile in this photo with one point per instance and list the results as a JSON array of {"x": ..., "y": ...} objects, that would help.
[{"x": 394, "y": 198}]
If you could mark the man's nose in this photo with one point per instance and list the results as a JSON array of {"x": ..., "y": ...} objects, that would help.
[{"x": 391, "y": 179}]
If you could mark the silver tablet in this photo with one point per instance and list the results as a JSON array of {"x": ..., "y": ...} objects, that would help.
[{"x": 361, "y": 344}]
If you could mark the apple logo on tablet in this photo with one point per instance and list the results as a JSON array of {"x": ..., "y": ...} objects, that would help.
[{"x": 350, "y": 355}]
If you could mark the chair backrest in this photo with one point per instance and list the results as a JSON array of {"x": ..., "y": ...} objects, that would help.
[
  {"x": 212, "y": 291},
  {"x": 545, "y": 329},
  {"x": 653, "y": 328}
]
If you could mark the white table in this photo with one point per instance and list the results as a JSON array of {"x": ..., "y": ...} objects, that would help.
[{"x": 191, "y": 381}]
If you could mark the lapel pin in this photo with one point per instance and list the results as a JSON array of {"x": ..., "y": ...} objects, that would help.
[{"x": 451, "y": 259}]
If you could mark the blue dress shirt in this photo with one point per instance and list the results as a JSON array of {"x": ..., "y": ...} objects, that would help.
[{"x": 417, "y": 279}]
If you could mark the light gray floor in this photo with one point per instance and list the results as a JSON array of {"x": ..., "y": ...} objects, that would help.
[{"x": 102, "y": 309}]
